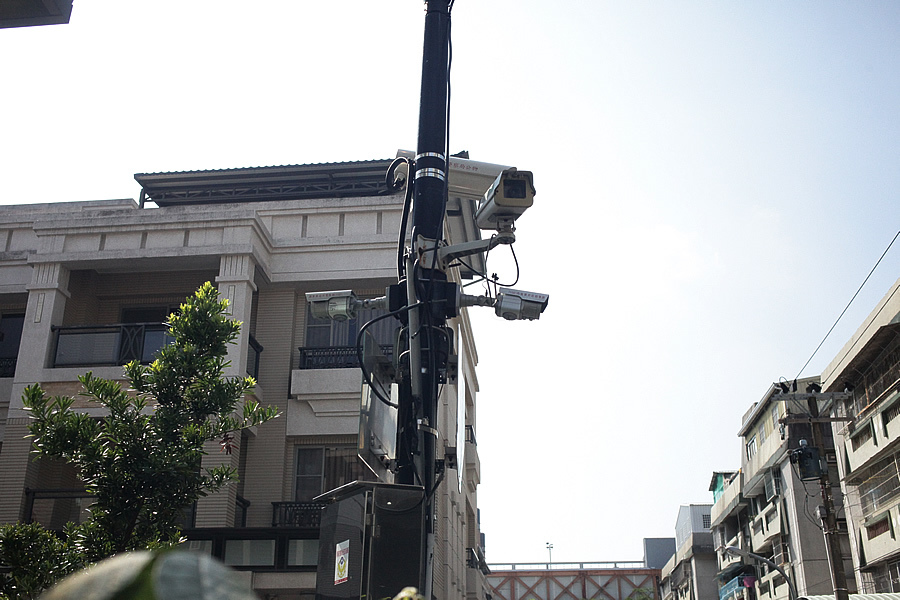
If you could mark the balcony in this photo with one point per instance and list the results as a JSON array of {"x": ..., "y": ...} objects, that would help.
[
  {"x": 736, "y": 588},
  {"x": 119, "y": 344},
  {"x": 108, "y": 345},
  {"x": 305, "y": 515},
  {"x": 258, "y": 549},
  {"x": 55, "y": 507},
  {"x": 732, "y": 498},
  {"x": 334, "y": 357}
]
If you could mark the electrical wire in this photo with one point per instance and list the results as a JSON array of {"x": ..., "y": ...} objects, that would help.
[
  {"x": 359, "y": 350},
  {"x": 848, "y": 304},
  {"x": 407, "y": 203}
]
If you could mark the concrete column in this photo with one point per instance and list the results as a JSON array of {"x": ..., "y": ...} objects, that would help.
[
  {"x": 235, "y": 282},
  {"x": 47, "y": 294}
]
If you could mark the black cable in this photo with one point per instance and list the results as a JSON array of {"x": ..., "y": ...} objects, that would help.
[
  {"x": 848, "y": 304},
  {"x": 407, "y": 203},
  {"x": 359, "y": 350}
]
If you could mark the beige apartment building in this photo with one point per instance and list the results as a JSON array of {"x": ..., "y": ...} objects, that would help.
[
  {"x": 85, "y": 286},
  {"x": 765, "y": 508},
  {"x": 868, "y": 443}
]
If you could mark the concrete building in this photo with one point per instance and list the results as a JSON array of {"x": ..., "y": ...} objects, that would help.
[
  {"x": 766, "y": 509},
  {"x": 85, "y": 286},
  {"x": 868, "y": 443},
  {"x": 690, "y": 573}
]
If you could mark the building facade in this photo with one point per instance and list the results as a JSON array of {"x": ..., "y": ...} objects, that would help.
[
  {"x": 765, "y": 508},
  {"x": 86, "y": 285},
  {"x": 867, "y": 437},
  {"x": 690, "y": 573}
]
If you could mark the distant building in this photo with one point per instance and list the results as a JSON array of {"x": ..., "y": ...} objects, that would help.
[
  {"x": 868, "y": 443},
  {"x": 658, "y": 551},
  {"x": 764, "y": 508},
  {"x": 690, "y": 573}
]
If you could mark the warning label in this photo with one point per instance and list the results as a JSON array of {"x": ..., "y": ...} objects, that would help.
[{"x": 341, "y": 562}]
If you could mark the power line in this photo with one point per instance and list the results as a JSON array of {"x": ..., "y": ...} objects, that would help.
[{"x": 848, "y": 305}]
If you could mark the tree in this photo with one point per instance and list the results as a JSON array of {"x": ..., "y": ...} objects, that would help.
[
  {"x": 35, "y": 559},
  {"x": 142, "y": 460}
]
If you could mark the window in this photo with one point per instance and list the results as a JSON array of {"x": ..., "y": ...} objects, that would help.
[
  {"x": 861, "y": 436},
  {"x": 332, "y": 344},
  {"x": 326, "y": 333},
  {"x": 10, "y": 336},
  {"x": 751, "y": 447},
  {"x": 876, "y": 529},
  {"x": 319, "y": 470}
]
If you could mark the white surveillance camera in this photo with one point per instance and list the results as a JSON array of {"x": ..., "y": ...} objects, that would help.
[
  {"x": 337, "y": 306},
  {"x": 511, "y": 194},
  {"x": 514, "y": 305}
]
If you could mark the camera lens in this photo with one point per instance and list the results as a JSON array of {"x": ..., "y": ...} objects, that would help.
[{"x": 514, "y": 188}]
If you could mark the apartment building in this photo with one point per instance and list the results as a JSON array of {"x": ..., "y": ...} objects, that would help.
[
  {"x": 690, "y": 573},
  {"x": 765, "y": 508},
  {"x": 867, "y": 438},
  {"x": 86, "y": 286}
]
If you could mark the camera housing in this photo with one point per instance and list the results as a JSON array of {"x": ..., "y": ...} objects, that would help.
[
  {"x": 511, "y": 194},
  {"x": 514, "y": 305},
  {"x": 338, "y": 305}
]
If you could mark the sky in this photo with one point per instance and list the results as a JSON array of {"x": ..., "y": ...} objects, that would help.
[{"x": 714, "y": 182}]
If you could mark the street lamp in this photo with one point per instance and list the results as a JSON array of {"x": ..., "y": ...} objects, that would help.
[
  {"x": 763, "y": 559},
  {"x": 550, "y": 552}
]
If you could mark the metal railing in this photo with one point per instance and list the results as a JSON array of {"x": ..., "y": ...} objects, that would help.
[
  {"x": 879, "y": 488},
  {"x": 8, "y": 367},
  {"x": 256, "y": 548},
  {"x": 334, "y": 357},
  {"x": 108, "y": 345},
  {"x": 581, "y": 566},
  {"x": 54, "y": 507},
  {"x": 297, "y": 514},
  {"x": 119, "y": 344}
]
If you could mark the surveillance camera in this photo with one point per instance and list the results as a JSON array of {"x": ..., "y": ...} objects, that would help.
[
  {"x": 508, "y": 197},
  {"x": 515, "y": 304},
  {"x": 338, "y": 305}
]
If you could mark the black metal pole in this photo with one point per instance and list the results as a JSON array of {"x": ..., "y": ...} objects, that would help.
[{"x": 430, "y": 195}]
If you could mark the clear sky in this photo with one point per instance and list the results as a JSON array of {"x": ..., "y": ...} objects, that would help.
[{"x": 715, "y": 180}]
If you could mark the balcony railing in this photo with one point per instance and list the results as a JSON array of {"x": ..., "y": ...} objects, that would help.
[
  {"x": 297, "y": 514},
  {"x": 108, "y": 345},
  {"x": 8, "y": 367},
  {"x": 736, "y": 585},
  {"x": 334, "y": 357},
  {"x": 55, "y": 507},
  {"x": 880, "y": 488},
  {"x": 257, "y": 549},
  {"x": 119, "y": 344}
]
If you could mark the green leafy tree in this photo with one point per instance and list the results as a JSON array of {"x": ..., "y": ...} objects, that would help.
[
  {"x": 33, "y": 558},
  {"x": 142, "y": 461}
]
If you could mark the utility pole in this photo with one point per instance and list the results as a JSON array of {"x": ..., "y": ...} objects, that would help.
[
  {"x": 423, "y": 300},
  {"x": 425, "y": 281},
  {"x": 829, "y": 523},
  {"x": 825, "y": 512}
]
